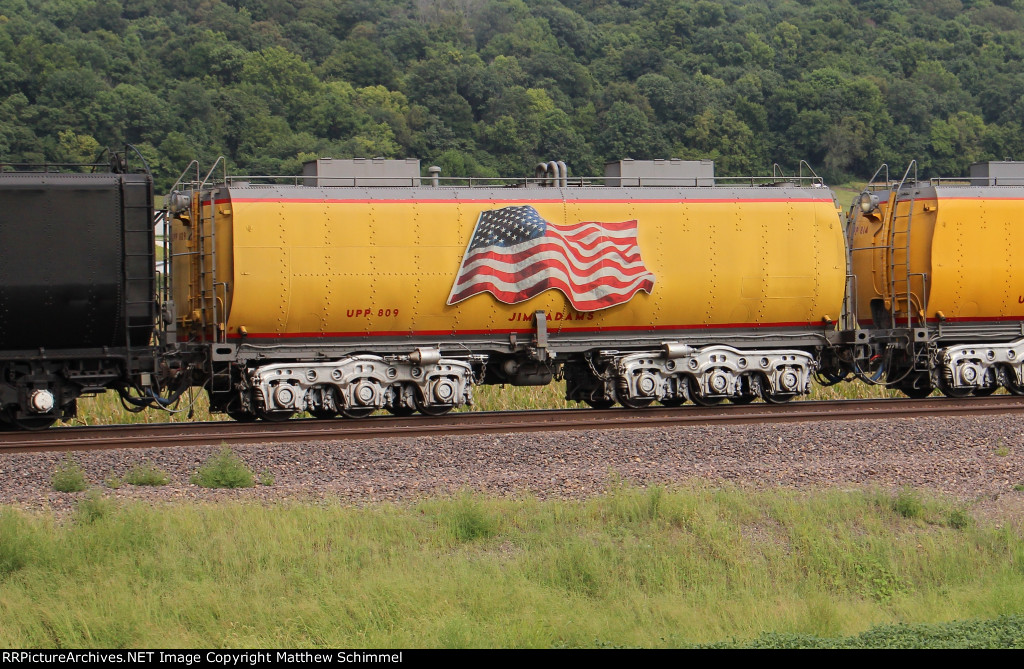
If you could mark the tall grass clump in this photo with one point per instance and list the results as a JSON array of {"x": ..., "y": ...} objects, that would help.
[
  {"x": 15, "y": 542},
  {"x": 914, "y": 505},
  {"x": 908, "y": 504},
  {"x": 464, "y": 519},
  {"x": 146, "y": 474},
  {"x": 224, "y": 470},
  {"x": 69, "y": 476},
  {"x": 93, "y": 507}
]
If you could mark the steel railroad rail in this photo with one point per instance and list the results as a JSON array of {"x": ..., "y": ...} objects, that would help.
[{"x": 185, "y": 434}]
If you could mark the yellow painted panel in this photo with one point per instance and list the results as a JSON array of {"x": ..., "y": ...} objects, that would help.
[
  {"x": 779, "y": 287},
  {"x": 260, "y": 300},
  {"x": 977, "y": 270},
  {"x": 389, "y": 267}
]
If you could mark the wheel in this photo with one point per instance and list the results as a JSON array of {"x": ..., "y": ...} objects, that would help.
[
  {"x": 915, "y": 393},
  {"x": 29, "y": 423},
  {"x": 400, "y": 411},
  {"x": 241, "y": 416},
  {"x": 276, "y": 416},
  {"x": 742, "y": 399},
  {"x": 323, "y": 414},
  {"x": 985, "y": 391},
  {"x": 702, "y": 400},
  {"x": 360, "y": 412},
  {"x": 599, "y": 402},
  {"x": 1012, "y": 386},
  {"x": 955, "y": 393},
  {"x": 673, "y": 402},
  {"x": 636, "y": 404},
  {"x": 777, "y": 398},
  {"x": 434, "y": 410},
  {"x": 35, "y": 422}
]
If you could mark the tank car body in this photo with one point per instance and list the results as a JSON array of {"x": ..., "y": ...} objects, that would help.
[
  {"x": 355, "y": 298},
  {"x": 937, "y": 290},
  {"x": 77, "y": 289}
]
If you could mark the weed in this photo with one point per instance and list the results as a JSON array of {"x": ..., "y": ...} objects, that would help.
[
  {"x": 69, "y": 476},
  {"x": 93, "y": 507},
  {"x": 266, "y": 478},
  {"x": 908, "y": 504},
  {"x": 113, "y": 482},
  {"x": 1002, "y": 451},
  {"x": 958, "y": 519},
  {"x": 467, "y": 518},
  {"x": 15, "y": 532},
  {"x": 877, "y": 580},
  {"x": 146, "y": 474},
  {"x": 223, "y": 470},
  {"x": 632, "y": 505},
  {"x": 1019, "y": 487}
]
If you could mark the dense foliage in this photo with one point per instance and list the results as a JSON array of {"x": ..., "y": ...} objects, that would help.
[{"x": 494, "y": 86}]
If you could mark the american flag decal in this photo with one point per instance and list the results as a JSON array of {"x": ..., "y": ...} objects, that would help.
[{"x": 515, "y": 254}]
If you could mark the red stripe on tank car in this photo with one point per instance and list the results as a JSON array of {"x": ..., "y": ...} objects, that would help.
[
  {"x": 965, "y": 198},
  {"x": 247, "y": 200}
]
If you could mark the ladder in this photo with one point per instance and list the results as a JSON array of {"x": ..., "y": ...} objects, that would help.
[
  {"x": 137, "y": 269},
  {"x": 898, "y": 241},
  {"x": 212, "y": 294}
]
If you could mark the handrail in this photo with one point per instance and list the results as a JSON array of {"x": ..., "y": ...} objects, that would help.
[
  {"x": 871, "y": 181},
  {"x": 181, "y": 177},
  {"x": 803, "y": 164},
  {"x": 222, "y": 161},
  {"x": 652, "y": 181}
]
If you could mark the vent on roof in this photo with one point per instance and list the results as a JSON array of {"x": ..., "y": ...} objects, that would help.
[
  {"x": 998, "y": 173},
  {"x": 361, "y": 172},
  {"x": 671, "y": 172}
]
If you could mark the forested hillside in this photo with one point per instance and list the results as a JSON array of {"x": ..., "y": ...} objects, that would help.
[{"x": 494, "y": 86}]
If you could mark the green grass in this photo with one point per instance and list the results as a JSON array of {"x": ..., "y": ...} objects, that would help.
[
  {"x": 106, "y": 409},
  {"x": 146, "y": 474},
  {"x": 69, "y": 476},
  {"x": 224, "y": 470},
  {"x": 653, "y": 567}
]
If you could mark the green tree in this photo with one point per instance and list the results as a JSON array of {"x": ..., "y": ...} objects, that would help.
[
  {"x": 283, "y": 79},
  {"x": 628, "y": 133},
  {"x": 956, "y": 143}
]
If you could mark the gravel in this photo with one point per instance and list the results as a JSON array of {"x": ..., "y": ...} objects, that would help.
[{"x": 978, "y": 460}]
